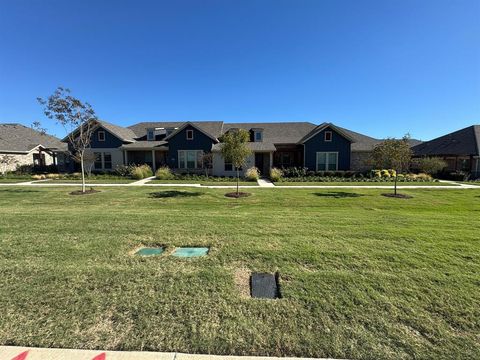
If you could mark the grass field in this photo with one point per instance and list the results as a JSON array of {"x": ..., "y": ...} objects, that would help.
[
  {"x": 362, "y": 276},
  {"x": 204, "y": 182},
  {"x": 361, "y": 183}
]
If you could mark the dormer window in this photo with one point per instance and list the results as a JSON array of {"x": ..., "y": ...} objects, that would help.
[
  {"x": 258, "y": 135},
  {"x": 328, "y": 136},
  {"x": 150, "y": 134},
  {"x": 101, "y": 136},
  {"x": 189, "y": 134}
]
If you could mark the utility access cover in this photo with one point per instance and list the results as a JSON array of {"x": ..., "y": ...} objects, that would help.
[
  {"x": 264, "y": 286},
  {"x": 190, "y": 251},
  {"x": 150, "y": 251}
]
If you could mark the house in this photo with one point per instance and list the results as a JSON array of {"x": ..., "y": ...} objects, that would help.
[
  {"x": 182, "y": 145},
  {"x": 26, "y": 146},
  {"x": 460, "y": 150}
]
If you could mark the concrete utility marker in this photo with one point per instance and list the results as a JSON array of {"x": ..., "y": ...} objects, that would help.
[{"x": 22, "y": 353}]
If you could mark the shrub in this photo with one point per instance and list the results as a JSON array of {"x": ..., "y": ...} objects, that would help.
[
  {"x": 430, "y": 165},
  {"x": 252, "y": 174},
  {"x": 141, "y": 172},
  {"x": 38, "y": 177},
  {"x": 275, "y": 174},
  {"x": 292, "y": 172},
  {"x": 164, "y": 173},
  {"x": 423, "y": 177},
  {"x": 385, "y": 173},
  {"x": 52, "y": 176}
]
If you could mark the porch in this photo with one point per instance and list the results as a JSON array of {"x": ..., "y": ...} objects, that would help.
[{"x": 151, "y": 153}]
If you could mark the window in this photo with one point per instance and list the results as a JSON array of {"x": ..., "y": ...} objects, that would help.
[
  {"x": 327, "y": 161},
  {"x": 97, "y": 164},
  {"x": 258, "y": 136},
  {"x": 150, "y": 134},
  {"x": 228, "y": 166},
  {"x": 189, "y": 134},
  {"x": 328, "y": 136},
  {"x": 101, "y": 135},
  {"x": 107, "y": 160},
  {"x": 190, "y": 159}
]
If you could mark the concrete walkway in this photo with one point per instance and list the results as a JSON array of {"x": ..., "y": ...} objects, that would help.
[
  {"x": 143, "y": 181},
  {"x": 264, "y": 182},
  {"x": 25, "y": 353}
]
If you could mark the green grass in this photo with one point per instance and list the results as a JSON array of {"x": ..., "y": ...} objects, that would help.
[
  {"x": 12, "y": 180},
  {"x": 362, "y": 276},
  {"x": 93, "y": 181},
  {"x": 202, "y": 182},
  {"x": 361, "y": 183}
]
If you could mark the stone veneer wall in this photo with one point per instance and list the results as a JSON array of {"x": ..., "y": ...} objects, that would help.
[
  {"x": 359, "y": 161},
  {"x": 23, "y": 159}
]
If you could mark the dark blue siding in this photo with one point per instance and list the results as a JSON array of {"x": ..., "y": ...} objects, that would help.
[
  {"x": 111, "y": 141},
  {"x": 179, "y": 142},
  {"x": 338, "y": 144}
]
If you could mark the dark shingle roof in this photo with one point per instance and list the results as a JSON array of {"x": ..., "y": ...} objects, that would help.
[
  {"x": 461, "y": 142},
  {"x": 147, "y": 144},
  {"x": 276, "y": 133},
  {"x": 16, "y": 137},
  {"x": 214, "y": 128},
  {"x": 124, "y": 134},
  {"x": 254, "y": 146}
]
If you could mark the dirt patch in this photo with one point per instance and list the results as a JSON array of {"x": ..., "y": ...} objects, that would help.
[
  {"x": 79, "y": 192},
  {"x": 239, "y": 195},
  {"x": 241, "y": 277},
  {"x": 398, "y": 196}
]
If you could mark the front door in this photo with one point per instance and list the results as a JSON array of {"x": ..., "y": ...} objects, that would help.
[
  {"x": 262, "y": 162},
  {"x": 259, "y": 162}
]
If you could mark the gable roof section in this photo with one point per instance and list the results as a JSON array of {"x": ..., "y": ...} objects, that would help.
[
  {"x": 461, "y": 142},
  {"x": 20, "y": 138},
  {"x": 322, "y": 127},
  {"x": 211, "y": 128},
  {"x": 124, "y": 134}
]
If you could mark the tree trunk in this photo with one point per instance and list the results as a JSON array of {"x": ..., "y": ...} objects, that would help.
[
  {"x": 83, "y": 172},
  {"x": 238, "y": 179},
  {"x": 395, "y": 186}
]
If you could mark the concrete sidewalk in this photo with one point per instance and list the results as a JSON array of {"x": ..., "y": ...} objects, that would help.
[{"x": 25, "y": 353}]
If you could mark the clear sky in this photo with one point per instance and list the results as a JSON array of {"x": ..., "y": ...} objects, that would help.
[{"x": 382, "y": 68}]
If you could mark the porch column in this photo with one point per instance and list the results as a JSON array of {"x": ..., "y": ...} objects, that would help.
[
  {"x": 154, "y": 166},
  {"x": 125, "y": 157},
  {"x": 271, "y": 159}
]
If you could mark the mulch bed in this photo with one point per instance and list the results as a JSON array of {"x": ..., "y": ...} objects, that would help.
[
  {"x": 239, "y": 195},
  {"x": 79, "y": 192},
  {"x": 398, "y": 196}
]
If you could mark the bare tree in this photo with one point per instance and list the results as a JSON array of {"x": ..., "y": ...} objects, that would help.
[
  {"x": 6, "y": 161},
  {"x": 393, "y": 154},
  {"x": 77, "y": 118},
  {"x": 89, "y": 160}
]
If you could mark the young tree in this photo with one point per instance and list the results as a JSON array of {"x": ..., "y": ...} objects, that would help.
[
  {"x": 78, "y": 120},
  {"x": 393, "y": 154},
  {"x": 207, "y": 162},
  {"x": 235, "y": 149},
  {"x": 6, "y": 161}
]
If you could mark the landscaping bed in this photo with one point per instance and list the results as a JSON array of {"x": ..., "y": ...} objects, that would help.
[
  {"x": 363, "y": 276},
  {"x": 360, "y": 183}
]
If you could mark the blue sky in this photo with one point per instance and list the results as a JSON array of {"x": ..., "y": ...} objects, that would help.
[{"x": 382, "y": 68}]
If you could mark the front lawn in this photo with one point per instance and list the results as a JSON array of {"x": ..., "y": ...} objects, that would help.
[
  {"x": 119, "y": 180},
  {"x": 362, "y": 276},
  {"x": 203, "y": 182},
  {"x": 362, "y": 183}
]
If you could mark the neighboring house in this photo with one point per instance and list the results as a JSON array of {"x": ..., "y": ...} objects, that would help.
[
  {"x": 181, "y": 146},
  {"x": 460, "y": 150},
  {"x": 29, "y": 147}
]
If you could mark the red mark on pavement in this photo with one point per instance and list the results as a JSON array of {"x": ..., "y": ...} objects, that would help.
[
  {"x": 21, "y": 356},
  {"x": 102, "y": 356}
]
